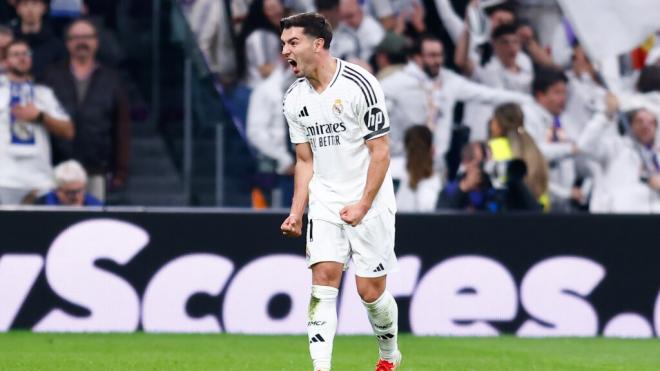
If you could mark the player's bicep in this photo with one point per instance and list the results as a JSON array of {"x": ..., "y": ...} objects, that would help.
[
  {"x": 304, "y": 153},
  {"x": 380, "y": 145}
]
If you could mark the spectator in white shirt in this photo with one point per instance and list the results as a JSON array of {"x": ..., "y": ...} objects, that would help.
[
  {"x": 495, "y": 13},
  {"x": 399, "y": 16},
  {"x": 367, "y": 32},
  {"x": 267, "y": 132},
  {"x": 563, "y": 40},
  {"x": 509, "y": 69},
  {"x": 586, "y": 93},
  {"x": 424, "y": 93},
  {"x": 211, "y": 24},
  {"x": 420, "y": 184},
  {"x": 31, "y": 112},
  {"x": 344, "y": 45},
  {"x": 262, "y": 40},
  {"x": 631, "y": 163},
  {"x": 555, "y": 133}
]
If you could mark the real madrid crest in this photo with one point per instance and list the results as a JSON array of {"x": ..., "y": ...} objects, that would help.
[{"x": 337, "y": 108}]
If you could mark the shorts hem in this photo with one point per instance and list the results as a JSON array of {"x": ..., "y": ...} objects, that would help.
[
  {"x": 376, "y": 274},
  {"x": 322, "y": 260}
]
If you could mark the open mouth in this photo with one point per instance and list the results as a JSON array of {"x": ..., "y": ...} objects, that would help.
[{"x": 293, "y": 63}]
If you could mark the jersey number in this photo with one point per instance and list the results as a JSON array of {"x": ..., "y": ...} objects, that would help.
[{"x": 374, "y": 119}]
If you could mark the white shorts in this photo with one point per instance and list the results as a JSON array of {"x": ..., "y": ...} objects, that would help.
[{"x": 370, "y": 244}]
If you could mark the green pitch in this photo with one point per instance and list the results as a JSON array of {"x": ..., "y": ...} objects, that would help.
[{"x": 28, "y": 351}]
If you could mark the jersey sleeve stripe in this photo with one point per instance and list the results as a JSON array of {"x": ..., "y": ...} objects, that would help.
[
  {"x": 370, "y": 101},
  {"x": 377, "y": 133},
  {"x": 365, "y": 81},
  {"x": 366, "y": 97}
]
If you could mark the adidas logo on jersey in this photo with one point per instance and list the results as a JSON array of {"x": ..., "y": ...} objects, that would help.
[
  {"x": 379, "y": 268},
  {"x": 317, "y": 339},
  {"x": 303, "y": 112}
]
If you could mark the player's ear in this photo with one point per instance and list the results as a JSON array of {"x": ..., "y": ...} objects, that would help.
[{"x": 318, "y": 44}]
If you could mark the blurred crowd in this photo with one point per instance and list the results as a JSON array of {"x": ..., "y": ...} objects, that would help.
[
  {"x": 494, "y": 105},
  {"x": 64, "y": 121}
]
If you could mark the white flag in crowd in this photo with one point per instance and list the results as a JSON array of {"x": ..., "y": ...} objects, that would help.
[{"x": 611, "y": 27}]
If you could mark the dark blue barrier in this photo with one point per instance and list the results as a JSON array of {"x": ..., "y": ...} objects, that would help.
[{"x": 531, "y": 275}]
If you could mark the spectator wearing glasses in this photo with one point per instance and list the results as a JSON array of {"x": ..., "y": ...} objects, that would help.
[
  {"x": 30, "y": 114},
  {"x": 94, "y": 95},
  {"x": 71, "y": 181},
  {"x": 630, "y": 182}
]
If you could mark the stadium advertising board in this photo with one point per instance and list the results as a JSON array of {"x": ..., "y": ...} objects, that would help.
[{"x": 233, "y": 272}]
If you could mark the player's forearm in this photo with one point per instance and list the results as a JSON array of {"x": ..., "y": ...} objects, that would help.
[
  {"x": 302, "y": 176},
  {"x": 380, "y": 162}
]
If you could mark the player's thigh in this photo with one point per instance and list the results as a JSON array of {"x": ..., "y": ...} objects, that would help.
[
  {"x": 372, "y": 246},
  {"x": 326, "y": 242}
]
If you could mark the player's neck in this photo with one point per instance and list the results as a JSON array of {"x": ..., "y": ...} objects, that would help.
[{"x": 323, "y": 74}]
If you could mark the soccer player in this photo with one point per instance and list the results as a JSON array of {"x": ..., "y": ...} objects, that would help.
[{"x": 339, "y": 125}]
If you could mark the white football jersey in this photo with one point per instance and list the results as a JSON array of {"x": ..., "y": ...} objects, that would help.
[{"x": 337, "y": 123}]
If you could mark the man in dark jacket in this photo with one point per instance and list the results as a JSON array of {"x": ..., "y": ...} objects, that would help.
[
  {"x": 31, "y": 27},
  {"x": 96, "y": 100}
]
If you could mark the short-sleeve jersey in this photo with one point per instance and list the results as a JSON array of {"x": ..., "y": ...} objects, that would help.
[
  {"x": 25, "y": 159},
  {"x": 337, "y": 123}
]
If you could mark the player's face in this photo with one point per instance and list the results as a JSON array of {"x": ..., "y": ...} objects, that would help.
[
  {"x": 299, "y": 50},
  {"x": 432, "y": 57},
  {"x": 644, "y": 126}
]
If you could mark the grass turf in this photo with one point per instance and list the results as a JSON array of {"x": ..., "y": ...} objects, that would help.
[{"x": 31, "y": 351}]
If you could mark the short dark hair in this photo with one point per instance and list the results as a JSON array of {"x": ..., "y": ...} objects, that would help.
[
  {"x": 312, "y": 23},
  {"x": 503, "y": 30},
  {"x": 322, "y": 5},
  {"x": 81, "y": 20},
  {"x": 632, "y": 115},
  {"x": 545, "y": 77},
  {"x": 416, "y": 48}
]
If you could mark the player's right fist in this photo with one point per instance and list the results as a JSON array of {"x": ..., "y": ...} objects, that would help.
[{"x": 292, "y": 226}]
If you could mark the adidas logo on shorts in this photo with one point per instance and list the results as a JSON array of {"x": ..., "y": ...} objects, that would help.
[{"x": 379, "y": 268}]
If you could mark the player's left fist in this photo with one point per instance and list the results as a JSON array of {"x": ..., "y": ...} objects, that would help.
[{"x": 353, "y": 214}]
